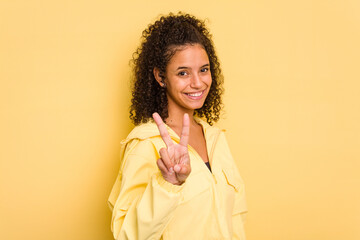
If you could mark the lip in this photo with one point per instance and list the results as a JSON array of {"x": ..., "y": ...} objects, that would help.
[{"x": 195, "y": 97}]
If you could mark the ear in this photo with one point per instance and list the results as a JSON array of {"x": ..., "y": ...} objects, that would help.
[{"x": 158, "y": 77}]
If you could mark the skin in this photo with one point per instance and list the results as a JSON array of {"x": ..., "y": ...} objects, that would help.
[{"x": 187, "y": 80}]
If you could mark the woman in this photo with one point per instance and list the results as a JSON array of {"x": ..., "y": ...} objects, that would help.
[{"x": 177, "y": 178}]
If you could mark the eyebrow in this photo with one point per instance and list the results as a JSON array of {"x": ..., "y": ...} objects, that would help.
[{"x": 205, "y": 65}]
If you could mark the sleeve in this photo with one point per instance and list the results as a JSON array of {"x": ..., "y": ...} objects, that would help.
[
  {"x": 145, "y": 201},
  {"x": 240, "y": 207},
  {"x": 239, "y": 214}
]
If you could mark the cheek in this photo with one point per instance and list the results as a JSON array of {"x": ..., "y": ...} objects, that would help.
[
  {"x": 176, "y": 87},
  {"x": 209, "y": 81}
]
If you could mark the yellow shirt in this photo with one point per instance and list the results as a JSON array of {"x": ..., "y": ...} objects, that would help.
[{"x": 209, "y": 205}]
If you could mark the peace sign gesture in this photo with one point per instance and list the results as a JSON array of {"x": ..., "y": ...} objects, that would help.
[{"x": 174, "y": 161}]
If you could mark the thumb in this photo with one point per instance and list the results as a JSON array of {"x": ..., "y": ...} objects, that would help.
[
  {"x": 182, "y": 170},
  {"x": 177, "y": 168}
]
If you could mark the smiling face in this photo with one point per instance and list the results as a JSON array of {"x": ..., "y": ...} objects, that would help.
[{"x": 188, "y": 78}]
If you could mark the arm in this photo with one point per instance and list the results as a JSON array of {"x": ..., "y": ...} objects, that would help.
[
  {"x": 239, "y": 214},
  {"x": 149, "y": 190},
  {"x": 146, "y": 201},
  {"x": 240, "y": 208}
]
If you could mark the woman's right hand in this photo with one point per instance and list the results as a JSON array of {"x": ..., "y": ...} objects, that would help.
[{"x": 174, "y": 161}]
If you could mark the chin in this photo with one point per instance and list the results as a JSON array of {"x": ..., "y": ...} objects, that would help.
[{"x": 195, "y": 106}]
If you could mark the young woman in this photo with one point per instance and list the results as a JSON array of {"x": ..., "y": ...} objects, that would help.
[{"x": 177, "y": 178}]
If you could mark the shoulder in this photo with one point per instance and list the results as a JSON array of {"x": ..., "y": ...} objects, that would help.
[
  {"x": 138, "y": 151},
  {"x": 144, "y": 131},
  {"x": 143, "y": 140}
]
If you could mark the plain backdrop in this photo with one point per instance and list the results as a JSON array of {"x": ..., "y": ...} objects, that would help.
[{"x": 292, "y": 112}]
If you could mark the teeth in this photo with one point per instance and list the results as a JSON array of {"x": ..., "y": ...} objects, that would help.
[{"x": 195, "y": 94}]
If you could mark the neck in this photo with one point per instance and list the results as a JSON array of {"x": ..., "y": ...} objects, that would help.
[{"x": 175, "y": 118}]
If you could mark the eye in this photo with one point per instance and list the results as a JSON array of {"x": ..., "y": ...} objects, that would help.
[
  {"x": 204, "y": 69},
  {"x": 182, "y": 73}
]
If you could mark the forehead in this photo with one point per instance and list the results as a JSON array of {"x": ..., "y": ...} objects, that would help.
[{"x": 189, "y": 56}]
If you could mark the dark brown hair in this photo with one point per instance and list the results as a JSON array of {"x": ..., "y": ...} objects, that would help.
[{"x": 159, "y": 43}]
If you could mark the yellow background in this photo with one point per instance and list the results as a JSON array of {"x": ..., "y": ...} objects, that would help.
[{"x": 292, "y": 112}]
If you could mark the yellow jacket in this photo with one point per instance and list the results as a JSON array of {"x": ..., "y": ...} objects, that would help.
[{"x": 209, "y": 205}]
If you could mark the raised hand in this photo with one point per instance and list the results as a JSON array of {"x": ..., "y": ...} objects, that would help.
[{"x": 174, "y": 161}]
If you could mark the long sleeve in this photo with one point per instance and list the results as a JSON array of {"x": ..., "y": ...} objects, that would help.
[
  {"x": 239, "y": 213},
  {"x": 238, "y": 219},
  {"x": 146, "y": 202},
  {"x": 234, "y": 178}
]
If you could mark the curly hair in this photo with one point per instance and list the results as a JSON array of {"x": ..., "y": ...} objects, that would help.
[{"x": 159, "y": 43}]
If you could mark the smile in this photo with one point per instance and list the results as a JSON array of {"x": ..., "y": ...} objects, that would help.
[{"x": 196, "y": 95}]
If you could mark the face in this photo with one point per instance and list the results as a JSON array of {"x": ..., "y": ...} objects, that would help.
[{"x": 188, "y": 78}]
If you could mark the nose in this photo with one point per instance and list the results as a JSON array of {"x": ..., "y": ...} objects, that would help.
[{"x": 195, "y": 81}]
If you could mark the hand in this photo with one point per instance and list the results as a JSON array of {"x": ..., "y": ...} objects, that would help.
[{"x": 174, "y": 161}]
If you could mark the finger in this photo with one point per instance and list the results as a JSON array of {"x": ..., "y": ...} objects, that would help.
[
  {"x": 183, "y": 166},
  {"x": 162, "y": 129},
  {"x": 161, "y": 166},
  {"x": 182, "y": 172},
  {"x": 184, "y": 138},
  {"x": 166, "y": 159},
  {"x": 181, "y": 169},
  {"x": 177, "y": 168}
]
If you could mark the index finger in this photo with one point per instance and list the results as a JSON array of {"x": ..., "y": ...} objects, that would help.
[
  {"x": 184, "y": 138},
  {"x": 162, "y": 129}
]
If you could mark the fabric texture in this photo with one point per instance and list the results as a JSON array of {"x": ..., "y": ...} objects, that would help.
[{"x": 209, "y": 205}]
